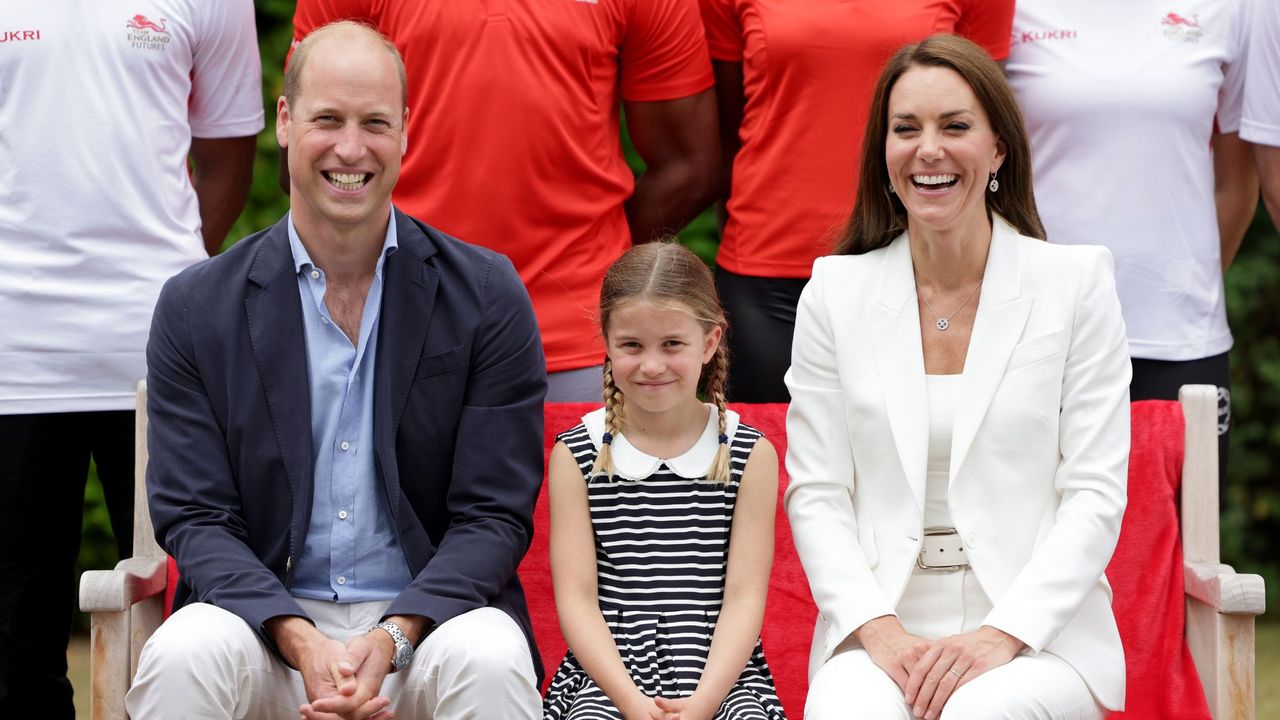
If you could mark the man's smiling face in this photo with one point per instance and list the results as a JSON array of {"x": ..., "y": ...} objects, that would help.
[{"x": 345, "y": 133}]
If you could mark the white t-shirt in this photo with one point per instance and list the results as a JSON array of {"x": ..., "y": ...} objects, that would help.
[
  {"x": 98, "y": 104},
  {"x": 1261, "y": 122},
  {"x": 1120, "y": 100}
]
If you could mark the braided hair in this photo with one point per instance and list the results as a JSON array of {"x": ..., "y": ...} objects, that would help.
[{"x": 666, "y": 272}]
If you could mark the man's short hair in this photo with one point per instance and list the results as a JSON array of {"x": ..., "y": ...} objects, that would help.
[{"x": 293, "y": 73}]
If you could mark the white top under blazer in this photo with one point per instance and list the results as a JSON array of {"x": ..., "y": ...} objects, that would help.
[{"x": 1039, "y": 454}]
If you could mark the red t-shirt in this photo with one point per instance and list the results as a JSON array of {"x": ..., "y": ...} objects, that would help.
[
  {"x": 809, "y": 67},
  {"x": 513, "y": 130}
]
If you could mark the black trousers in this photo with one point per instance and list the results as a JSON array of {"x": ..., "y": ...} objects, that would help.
[
  {"x": 1160, "y": 380},
  {"x": 44, "y": 462},
  {"x": 762, "y": 321}
]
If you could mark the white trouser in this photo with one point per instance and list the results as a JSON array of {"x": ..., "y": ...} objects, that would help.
[
  {"x": 1030, "y": 687},
  {"x": 205, "y": 662},
  {"x": 939, "y": 604}
]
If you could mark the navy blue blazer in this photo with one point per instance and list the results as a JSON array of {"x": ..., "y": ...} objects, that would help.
[{"x": 458, "y": 390}]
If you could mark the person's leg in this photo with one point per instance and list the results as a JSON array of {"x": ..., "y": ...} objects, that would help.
[
  {"x": 850, "y": 685},
  {"x": 43, "y": 464},
  {"x": 1030, "y": 687},
  {"x": 475, "y": 665},
  {"x": 762, "y": 319},
  {"x": 205, "y": 662},
  {"x": 111, "y": 442},
  {"x": 580, "y": 385},
  {"x": 1160, "y": 380}
]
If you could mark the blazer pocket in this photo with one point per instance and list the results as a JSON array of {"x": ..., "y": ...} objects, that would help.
[
  {"x": 441, "y": 363},
  {"x": 1038, "y": 348}
]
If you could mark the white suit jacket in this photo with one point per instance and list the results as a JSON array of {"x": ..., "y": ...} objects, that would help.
[{"x": 1039, "y": 455}]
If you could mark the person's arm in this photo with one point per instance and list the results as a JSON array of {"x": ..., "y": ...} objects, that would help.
[
  {"x": 222, "y": 175},
  {"x": 1235, "y": 191},
  {"x": 1092, "y": 471},
  {"x": 730, "y": 107},
  {"x": 819, "y": 499},
  {"x": 195, "y": 506},
  {"x": 573, "y": 575},
  {"x": 224, "y": 113},
  {"x": 1268, "y": 160},
  {"x": 490, "y": 495},
  {"x": 678, "y": 141},
  {"x": 746, "y": 585}
]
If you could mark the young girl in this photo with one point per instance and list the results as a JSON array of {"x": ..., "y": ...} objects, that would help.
[{"x": 662, "y": 511}]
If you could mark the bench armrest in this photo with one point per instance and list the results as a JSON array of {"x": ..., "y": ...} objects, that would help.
[
  {"x": 1223, "y": 589},
  {"x": 133, "y": 580}
]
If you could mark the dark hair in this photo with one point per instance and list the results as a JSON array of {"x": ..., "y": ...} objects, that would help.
[
  {"x": 665, "y": 272},
  {"x": 301, "y": 51},
  {"x": 879, "y": 216}
]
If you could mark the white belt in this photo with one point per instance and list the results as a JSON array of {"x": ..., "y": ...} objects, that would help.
[{"x": 942, "y": 550}]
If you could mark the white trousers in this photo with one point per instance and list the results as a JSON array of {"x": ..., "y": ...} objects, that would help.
[
  {"x": 934, "y": 605},
  {"x": 205, "y": 662}
]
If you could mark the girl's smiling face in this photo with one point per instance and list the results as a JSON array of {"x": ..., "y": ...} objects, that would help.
[
  {"x": 940, "y": 150},
  {"x": 657, "y": 351}
]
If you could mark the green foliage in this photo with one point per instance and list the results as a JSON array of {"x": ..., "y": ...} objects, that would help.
[{"x": 1251, "y": 519}]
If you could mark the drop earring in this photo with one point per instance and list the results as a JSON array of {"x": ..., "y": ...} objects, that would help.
[{"x": 994, "y": 185}]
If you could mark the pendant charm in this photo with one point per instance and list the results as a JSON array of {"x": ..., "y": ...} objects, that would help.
[{"x": 943, "y": 324}]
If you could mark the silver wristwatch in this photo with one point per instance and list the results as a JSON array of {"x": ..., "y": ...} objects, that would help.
[{"x": 404, "y": 649}]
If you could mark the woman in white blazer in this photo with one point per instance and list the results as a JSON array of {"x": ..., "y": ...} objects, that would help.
[{"x": 959, "y": 425}]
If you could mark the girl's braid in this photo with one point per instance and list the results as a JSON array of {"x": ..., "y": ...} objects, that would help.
[
  {"x": 719, "y": 471},
  {"x": 613, "y": 402}
]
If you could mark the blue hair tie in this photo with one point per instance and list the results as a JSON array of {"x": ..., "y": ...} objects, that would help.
[
  {"x": 606, "y": 439},
  {"x": 723, "y": 438}
]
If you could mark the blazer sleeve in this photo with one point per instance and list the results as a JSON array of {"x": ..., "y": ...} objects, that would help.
[
  {"x": 819, "y": 499},
  {"x": 1092, "y": 474},
  {"x": 191, "y": 487},
  {"x": 497, "y": 460}
]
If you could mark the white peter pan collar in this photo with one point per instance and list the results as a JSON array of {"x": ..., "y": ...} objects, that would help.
[{"x": 633, "y": 464}]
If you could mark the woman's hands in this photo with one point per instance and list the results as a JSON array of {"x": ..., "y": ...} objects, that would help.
[
  {"x": 953, "y": 661},
  {"x": 892, "y": 648}
]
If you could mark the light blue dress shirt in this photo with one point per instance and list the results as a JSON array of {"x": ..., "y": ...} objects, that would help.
[{"x": 352, "y": 552}]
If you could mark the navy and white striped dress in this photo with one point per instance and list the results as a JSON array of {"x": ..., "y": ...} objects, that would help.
[{"x": 662, "y": 544}]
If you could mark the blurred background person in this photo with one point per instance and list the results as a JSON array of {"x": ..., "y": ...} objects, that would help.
[
  {"x": 793, "y": 84},
  {"x": 1133, "y": 112},
  {"x": 1261, "y": 122},
  {"x": 514, "y": 120},
  {"x": 103, "y": 104}
]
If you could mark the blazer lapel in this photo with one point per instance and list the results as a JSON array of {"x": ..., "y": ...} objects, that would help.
[
  {"x": 408, "y": 298},
  {"x": 274, "y": 315},
  {"x": 899, "y": 356},
  {"x": 1002, "y": 314}
]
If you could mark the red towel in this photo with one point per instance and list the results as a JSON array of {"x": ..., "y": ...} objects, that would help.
[{"x": 1146, "y": 574}]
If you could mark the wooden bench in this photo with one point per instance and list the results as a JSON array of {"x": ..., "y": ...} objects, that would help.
[{"x": 127, "y": 603}]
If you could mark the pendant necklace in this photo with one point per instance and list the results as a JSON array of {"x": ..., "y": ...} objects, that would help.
[{"x": 945, "y": 322}]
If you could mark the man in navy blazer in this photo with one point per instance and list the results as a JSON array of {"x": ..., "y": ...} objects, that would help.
[{"x": 346, "y": 440}]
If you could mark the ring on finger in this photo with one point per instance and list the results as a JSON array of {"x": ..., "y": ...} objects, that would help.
[{"x": 959, "y": 676}]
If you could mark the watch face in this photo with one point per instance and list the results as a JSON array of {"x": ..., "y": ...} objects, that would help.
[{"x": 404, "y": 653}]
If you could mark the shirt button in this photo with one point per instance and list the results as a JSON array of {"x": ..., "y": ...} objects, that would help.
[
  {"x": 342, "y": 579},
  {"x": 315, "y": 274},
  {"x": 345, "y": 446},
  {"x": 324, "y": 319},
  {"x": 971, "y": 539},
  {"x": 342, "y": 514}
]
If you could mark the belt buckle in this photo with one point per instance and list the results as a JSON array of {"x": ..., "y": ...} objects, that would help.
[{"x": 950, "y": 566}]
